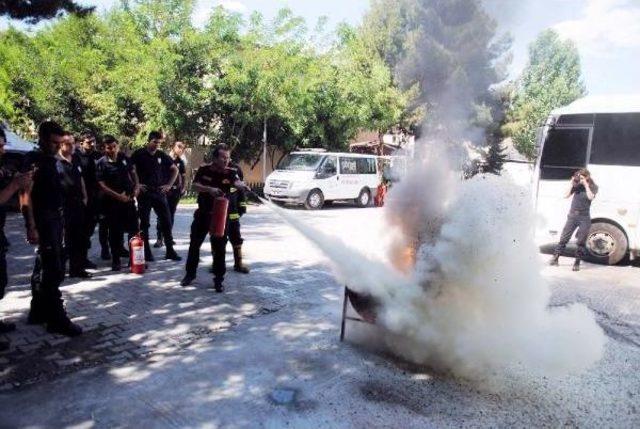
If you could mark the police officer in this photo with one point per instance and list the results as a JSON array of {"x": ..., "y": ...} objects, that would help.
[
  {"x": 237, "y": 208},
  {"x": 174, "y": 195},
  {"x": 88, "y": 156},
  {"x": 116, "y": 178},
  {"x": 74, "y": 206},
  {"x": 43, "y": 214},
  {"x": 210, "y": 181},
  {"x": 149, "y": 163},
  {"x": 10, "y": 183}
]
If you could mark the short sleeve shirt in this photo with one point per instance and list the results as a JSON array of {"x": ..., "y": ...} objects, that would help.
[
  {"x": 182, "y": 170},
  {"x": 153, "y": 168},
  {"x": 46, "y": 193},
  {"x": 70, "y": 174},
  {"x": 581, "y": 202},
  {"x": 116, "y": 174},
  {"x": 208, "y": 176},
  {"x": 88, "y": 164}
]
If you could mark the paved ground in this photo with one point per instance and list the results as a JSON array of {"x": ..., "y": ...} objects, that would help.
[{"x": 266, "y": 353}]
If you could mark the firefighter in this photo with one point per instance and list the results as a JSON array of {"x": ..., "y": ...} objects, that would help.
[
  {"x": 211, "y": 180},
  {"x": 74, "y": 207},
  {"x": 10, "y": 183},
  {"x": 237, "y": 208},
  {"x": 149, "y": 163},
  {"x": 177, "y": 190},
  {"x": 117, "y": 180},
  {"x": 44, "y": 222}
]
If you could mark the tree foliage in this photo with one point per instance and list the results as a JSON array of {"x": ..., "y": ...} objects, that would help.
[
  {"x": 551, "y": 79},
  {"x": 448, "y": 52},
  {"x": 143, "y": 65}
]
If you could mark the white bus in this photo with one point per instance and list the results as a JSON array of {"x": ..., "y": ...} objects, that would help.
[
  {"x": 315, "y": 178},
  {"x": 603, "y": 135}
]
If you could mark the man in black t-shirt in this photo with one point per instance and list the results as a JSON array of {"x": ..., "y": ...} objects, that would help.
[
  {"x": 584, "y": 190},
  {"x": 116, "y": 178},
  {"x": 174, "y": 195},
  {"x": 74, "y": 207},
  {"x": 44, "y": 222},
  {"x": 150, "y": 163},
  {"x": 211, "y": 181}
]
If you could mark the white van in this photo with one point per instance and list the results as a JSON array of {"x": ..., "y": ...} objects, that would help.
[
  {"x": 315, "y": 178},
  {"x": 601, "y": 133}
]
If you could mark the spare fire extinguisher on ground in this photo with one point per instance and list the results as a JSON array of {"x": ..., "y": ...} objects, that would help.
[
  {"x": 136, "y": 254},
  {"x": 219, "y": 217}
]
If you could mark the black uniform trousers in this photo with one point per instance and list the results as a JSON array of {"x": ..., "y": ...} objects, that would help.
[
  {"x": 75, "y": 239},
  {"x": 158, "y": 201},
  {"x": 199, "y": 231},
  {"x": 94, "y": 216},
  {"x": 173, "y": 198},
  {"x": 48, "y": 271},
  {"x": 581, "y": 222},
  {"x": 4, "y": 279},
  {"x": 121, "y": 218},
  {"x": 233, "y": 232}
]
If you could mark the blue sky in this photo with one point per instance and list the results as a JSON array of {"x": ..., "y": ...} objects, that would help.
[{"x": 607, "y": 32}]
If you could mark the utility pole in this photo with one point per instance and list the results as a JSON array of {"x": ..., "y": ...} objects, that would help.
[{"x": 264, "y": 152}]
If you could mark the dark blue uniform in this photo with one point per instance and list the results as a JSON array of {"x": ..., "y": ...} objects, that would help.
[
  {"x": 173, "y": 196},
  {"x": 152, "y": 172},
  {"x": 70, "y": 174},
  {"x": 207, "y": 176},
  {"x": 48, "y": 272},
  {"x": 121, "y": 217},
  {"x": 93, "y": 212}
]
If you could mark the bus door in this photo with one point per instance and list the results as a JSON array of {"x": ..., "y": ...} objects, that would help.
[{"x": 564, "y": 151}]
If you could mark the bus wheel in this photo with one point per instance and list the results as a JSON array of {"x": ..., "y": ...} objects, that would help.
[
  {"x": 314, "y": 200},
  {"x": 364, "y": 198},
  {"x": 606, "y": 243}
]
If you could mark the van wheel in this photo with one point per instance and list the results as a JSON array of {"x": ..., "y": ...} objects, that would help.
[
  {"x": 314, "y": 200},
  {"x": 364, "y": 198},
  {"x": 606, "y": 243}
]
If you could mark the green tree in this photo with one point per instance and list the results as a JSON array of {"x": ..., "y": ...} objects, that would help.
[{"x": 552, "y": 78}]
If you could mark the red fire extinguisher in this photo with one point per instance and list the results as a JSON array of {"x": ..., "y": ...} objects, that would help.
[
  {"x": 219, "y": 217},
  {"x": 136, "y": 254}
]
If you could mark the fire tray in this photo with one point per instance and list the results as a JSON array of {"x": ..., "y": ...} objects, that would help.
[{"x": 364, "y": 305}]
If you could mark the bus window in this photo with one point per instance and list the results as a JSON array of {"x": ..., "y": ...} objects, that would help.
[
  {"x": 564, "y": 151},
  {"x": 616, "y": 139}
]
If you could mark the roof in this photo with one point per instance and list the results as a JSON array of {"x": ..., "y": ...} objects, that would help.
[
  {"x": 16, "y": 143},
  {"x": 602, "y": 104}
]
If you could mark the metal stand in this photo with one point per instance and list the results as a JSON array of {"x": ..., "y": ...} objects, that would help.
[{"x": 346, "y": 317}]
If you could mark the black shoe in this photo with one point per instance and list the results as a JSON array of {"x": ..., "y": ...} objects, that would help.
[
  {"x": 7, "y": 327},
  {"x": 64, "y": 327},
  {"x": 218, "y": 286},
  {"x": 187, "y": 280},
  {"x": 80, "y": 274},
  {"x": 35, "y": 318},
  {"x": 576, "y": 265},
  {"x": 89, "y": 265},
  {"x": 173, "y": 256},
  {"x": 554, "y": 260},
  {"x": 116, "y": 267},
  {"x": 158, "y": 244},
  {"x": 105, "y": 255}
]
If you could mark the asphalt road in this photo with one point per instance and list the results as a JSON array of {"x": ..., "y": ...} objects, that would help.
[{"x": 284, "y": 366}]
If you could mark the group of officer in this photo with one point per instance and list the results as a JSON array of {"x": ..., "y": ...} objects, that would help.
[{"x": 66, "y": 191}]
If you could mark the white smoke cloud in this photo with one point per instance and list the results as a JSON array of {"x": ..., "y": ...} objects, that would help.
[{"x": 475, "y": 303}]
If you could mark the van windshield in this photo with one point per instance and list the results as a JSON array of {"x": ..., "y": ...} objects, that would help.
[{"x": 300, "y": 162}]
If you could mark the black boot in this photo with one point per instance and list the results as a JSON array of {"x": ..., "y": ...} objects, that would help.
[
  {"x": 554, "y": 260},
  {"x": 171, "y": 254},
  {"x": 218, "y": 286},
  {"x": 576, "y": 265},
  {"x": 6, "y": 327},
  {"x": 59, "y": 323},
  {"x": 187, "y": 280},
  {"x": 237, "y": 257},
  {"x": 89, "y": 265},
  {"x": 159, "y": 242},
  {"x": 105, "y": 255}
]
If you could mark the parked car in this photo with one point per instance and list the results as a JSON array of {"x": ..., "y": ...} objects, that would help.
[{"x": 314, "y": 179}]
